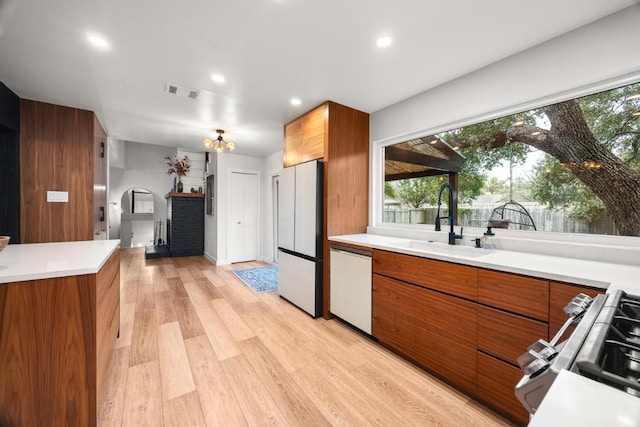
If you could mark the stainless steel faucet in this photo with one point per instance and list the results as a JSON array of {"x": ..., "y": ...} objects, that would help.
[{"x": 451, "y": 217}]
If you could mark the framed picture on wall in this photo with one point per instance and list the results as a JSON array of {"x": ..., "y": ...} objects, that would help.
[{"x": 210, "y": 195}]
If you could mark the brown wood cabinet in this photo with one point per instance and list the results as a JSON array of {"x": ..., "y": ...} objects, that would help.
[
  {"x": 340, "y": 136},
  {"x": 506, "y": 335},
  {"x": 418, "y": 323},
  {"x": 465, "y": 323},
  {"x": 57, "y": 338},
  {"x": 496, "y": 382},
  {"x": 454, "y": 279},
  {"x": 518, "y": 294},
  {"x": 60, "y": 151}
]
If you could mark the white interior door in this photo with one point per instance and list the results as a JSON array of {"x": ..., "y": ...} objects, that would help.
[{"x": 242, "y": 235}]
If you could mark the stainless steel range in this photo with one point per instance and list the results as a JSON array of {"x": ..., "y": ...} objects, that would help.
[{"x": 605, "y": 347}]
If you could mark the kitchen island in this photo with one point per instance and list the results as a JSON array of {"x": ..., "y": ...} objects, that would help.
[
  {"x": 59, "y": 318},
  {"x": 423, "y": 289}
]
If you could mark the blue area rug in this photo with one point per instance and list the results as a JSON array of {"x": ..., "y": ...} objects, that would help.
[{"x": 260, "y": 279}]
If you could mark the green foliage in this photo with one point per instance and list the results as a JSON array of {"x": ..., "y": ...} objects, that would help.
[
  {"x": 416, "y": 192},
  {"x": 555, "y": 186},
  {"x": 389, "y": 191}
]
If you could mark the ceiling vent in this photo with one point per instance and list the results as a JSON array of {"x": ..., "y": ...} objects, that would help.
[{"x": 181, "y": 91}]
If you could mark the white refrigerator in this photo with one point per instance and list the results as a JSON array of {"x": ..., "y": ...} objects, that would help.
[{"x": 300, "y": 205}]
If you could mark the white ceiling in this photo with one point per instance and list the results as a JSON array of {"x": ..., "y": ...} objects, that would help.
[{"x": 268, "y": 50}]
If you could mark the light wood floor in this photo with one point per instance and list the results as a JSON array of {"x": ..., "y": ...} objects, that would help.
[{"x": 198, "y": 347}]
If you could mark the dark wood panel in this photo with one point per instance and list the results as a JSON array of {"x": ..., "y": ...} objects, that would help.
[
  {"x": 454, "y": 279},
  {"x": 505, "y": 335},
  {"x": 442, "y": 314},
  {"x": 496, "y": 382},
  {"x": 56, "y": 146},
  {"x": 47, "y": 352},
  {"x": 559, "y": 296},
  {"x": 514, "y": 293}
]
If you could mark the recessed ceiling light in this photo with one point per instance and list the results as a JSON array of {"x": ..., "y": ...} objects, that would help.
[
  {"x": 296, "y": 101},
  {"x": 218, "y": 78},
  {"x": 383, "y": 41},
  {"x": 98, "y": 41}
]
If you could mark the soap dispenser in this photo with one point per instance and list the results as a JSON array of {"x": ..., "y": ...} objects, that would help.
[{"x": 487, "y": 239}]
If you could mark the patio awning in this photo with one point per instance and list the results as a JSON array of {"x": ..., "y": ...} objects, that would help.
[{"x": 426, "y": 156}]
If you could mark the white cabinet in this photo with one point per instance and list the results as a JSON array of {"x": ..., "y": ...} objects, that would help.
[{"x": 351, "y": 287}]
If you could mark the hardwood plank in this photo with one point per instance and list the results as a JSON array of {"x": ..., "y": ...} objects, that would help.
[
  {"x": 281, "y": 387},
  {"x": 144, "y": 342},
  {"x": 176, "y": 288},
  {"x": 183, "y": 411},
  {"x": 159, "y": 279},
  {"x": 143, "y": 400},
  {"x": 185, "y": 274},
  {"x": 145, "y": 299},
  {"x": 213, "y": 278},
  {"x": 187, "y": 317},
  {"x": 221, "y": 340},
  {"x": 170, "y": 271},
  {"x": 218, "y": 404},
  {"x": 175, "y": 371},
  {"x": 257, "y": 405},
  {"x": 330, "y": 403},
  {"x": 165, "y": 312},
  {"x": 236, "y": 326}
]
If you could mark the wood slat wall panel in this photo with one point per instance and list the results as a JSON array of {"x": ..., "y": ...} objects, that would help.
[
  {"x": 449, "y": 278},
  {"x": 511, "y": 292}
]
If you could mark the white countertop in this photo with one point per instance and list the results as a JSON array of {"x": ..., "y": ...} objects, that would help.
[
  {"x": 572, "y": 400},
  {"x": 45, "y": 260}
]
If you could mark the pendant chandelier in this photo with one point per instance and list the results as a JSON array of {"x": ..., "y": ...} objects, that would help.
[{"x": 219, "y": 144}]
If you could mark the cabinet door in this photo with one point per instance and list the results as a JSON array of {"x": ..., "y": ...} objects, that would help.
[
  {"x": 293, "y": 143},
  {"x": 559, "y": 296},
  {"x": 507, "y": 335},
  {"x": 445, "y": 277},
  {"x": 286, "y": 208},
  {"x": 496, "y": 383},
  {"x": 313, "y": 134},
  {"x": 514, "y": 293}
]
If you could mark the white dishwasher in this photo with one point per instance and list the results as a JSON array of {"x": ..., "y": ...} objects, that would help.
[{"x": 351, "y": 286}]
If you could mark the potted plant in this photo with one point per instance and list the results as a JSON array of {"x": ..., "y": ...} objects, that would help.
[{"x": 179, "y": 167}]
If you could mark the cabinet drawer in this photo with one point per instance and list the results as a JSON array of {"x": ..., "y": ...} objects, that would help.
[
  {"x": 514, "y": 293},
  {"x": 559, "y": 296},
  {"x": 507, "y": 335},
  {"x": 445, "y": 277},
  {"x": 496, "y": 382},
  {"x": 454, "y": 360},
  {"x": 442, "y": 314},
  {"x": 451, "y": 358}
]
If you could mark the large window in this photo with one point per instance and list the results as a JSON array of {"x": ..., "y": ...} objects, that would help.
[{"x": 569, "y": 167}]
